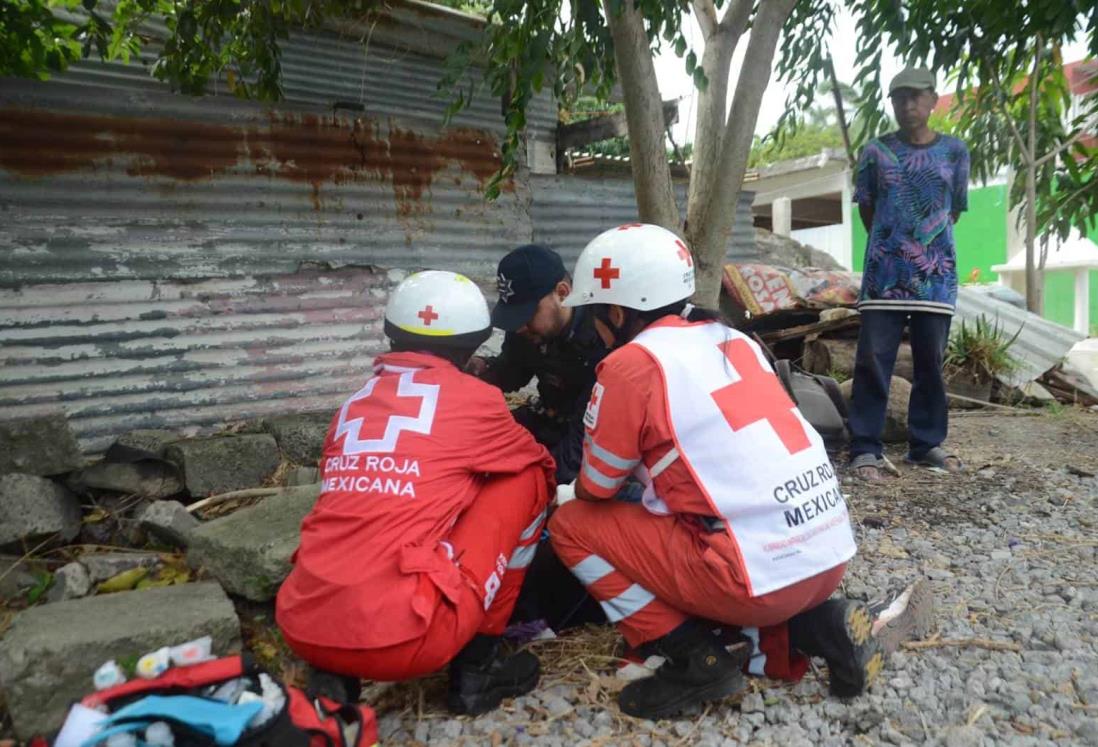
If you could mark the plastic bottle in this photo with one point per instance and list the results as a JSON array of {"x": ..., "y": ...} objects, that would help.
[
  {"x": 109, "y": 674},
  {"x": 153, "y": 664}
]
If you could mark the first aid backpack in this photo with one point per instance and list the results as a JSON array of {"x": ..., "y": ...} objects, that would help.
[{"x": 189, "y": 701}]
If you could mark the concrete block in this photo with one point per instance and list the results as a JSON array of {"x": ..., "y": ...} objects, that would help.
[
  {"x": 249, "y": 550},
  {"x": 149, "y": 478},
  {"x": 39, "y": 446},
  {"x": 168, "y": 521},
  {"x": 48, "y": 657},
  {"x": 70, "y": 582},
  {"x": 223, "y": 463},
  {"x": 141, "y": 444},
  {"x": 301, "y": 436},
  {"x": 33, "y": 507}
]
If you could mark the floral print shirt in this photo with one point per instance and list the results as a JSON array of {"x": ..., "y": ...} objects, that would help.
[{"x": 914, "y": 190}]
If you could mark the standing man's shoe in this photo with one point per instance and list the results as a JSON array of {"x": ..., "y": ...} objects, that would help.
[
  {"x": 480, "y": 678},
  {"x": 697, "y": 669},
  {"x": 841, "y": 632}
]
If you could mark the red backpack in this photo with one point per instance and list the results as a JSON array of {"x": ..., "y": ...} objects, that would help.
[{"x": 303, "y": 722}]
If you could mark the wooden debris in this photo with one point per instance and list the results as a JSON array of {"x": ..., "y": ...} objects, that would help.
[{"x": 215, "y": 500}]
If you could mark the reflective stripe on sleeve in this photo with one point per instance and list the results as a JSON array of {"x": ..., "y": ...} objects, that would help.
[
  {"x": 632, "y": 600},
  {"x": 666, "y": 461},
  {"x": 523, "y": 556},
  {"x": 603, "y": 481},
  {"x": 591, "y": 569},
  {"x": 608, "y": 457}
]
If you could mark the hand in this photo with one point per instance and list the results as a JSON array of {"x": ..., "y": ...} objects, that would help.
[
  {"x": 476, "y": 366},
  {"x": 565, "y": 493}
]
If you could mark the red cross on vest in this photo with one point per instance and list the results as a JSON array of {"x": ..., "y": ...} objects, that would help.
[
  {"x": 759, "y": 395},
  {"x": 684, "y": 254},
  {"x": 606, "y": 273},
  {"x": 428, "y": 315}
]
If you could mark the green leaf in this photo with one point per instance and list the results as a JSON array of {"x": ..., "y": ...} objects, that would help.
[
  {"x": 43, "y": 581},
  {"x": 124, "y": 581}
]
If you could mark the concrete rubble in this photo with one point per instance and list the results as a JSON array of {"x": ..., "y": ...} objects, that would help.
[
  {"x": 220, "y": 464},
  {"x": 33, "y": 508},
  {"x": 300, "y": 436},
  {"x": 168, "y": 521},
  {"x": 48, "y": 656},
  {"x": 249, "y": 550},
  {"x": 39, "y": 446}
]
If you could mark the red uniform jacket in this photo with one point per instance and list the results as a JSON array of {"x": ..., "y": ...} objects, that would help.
[{"x": 404, "y": 457}]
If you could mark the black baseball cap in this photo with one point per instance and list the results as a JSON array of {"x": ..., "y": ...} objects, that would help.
[{"x": 525, "y": 276}]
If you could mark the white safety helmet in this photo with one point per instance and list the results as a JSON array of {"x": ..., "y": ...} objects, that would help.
[
  {"x": 637, "y": 266},
  {"x": 439, "y": 307}
]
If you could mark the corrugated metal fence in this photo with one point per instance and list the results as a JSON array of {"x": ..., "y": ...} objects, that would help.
[{"x": 168, "y": 261}]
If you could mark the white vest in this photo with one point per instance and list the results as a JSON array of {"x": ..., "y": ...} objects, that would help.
[{"x": 784, "y": 510}]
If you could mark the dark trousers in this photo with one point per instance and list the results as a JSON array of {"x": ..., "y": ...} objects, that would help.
[{"x": 878, "y": 343}]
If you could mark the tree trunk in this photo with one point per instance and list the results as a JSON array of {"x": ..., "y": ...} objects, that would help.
[
  {"x": 709, "y": 235},
  {"x": 720, "y": 44},
  {"x": 1034, "y": 278},
  {"x": 644, "y": 112}
]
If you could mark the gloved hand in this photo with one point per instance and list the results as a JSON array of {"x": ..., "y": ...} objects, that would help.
[{"x": 565, "y": 493}]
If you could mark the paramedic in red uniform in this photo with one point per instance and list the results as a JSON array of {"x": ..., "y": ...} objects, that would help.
[
  {"x": 742, "y": 522},
  {"x": 432, "y": 503}
]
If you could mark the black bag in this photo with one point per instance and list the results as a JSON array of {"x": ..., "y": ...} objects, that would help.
[{"x": 817, "y": 397}]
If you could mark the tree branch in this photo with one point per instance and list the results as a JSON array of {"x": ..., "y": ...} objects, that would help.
[
  {"x": 736, "y": 18},
  {"x": 706, "y": 12},
  {"x": 1081, "y": 133},
  {"x": 644, "y": 113},
  {"x": 1005, "y": 112},
  {"x": 713, "y": 107},
  {"x": 717, "y": 206}
]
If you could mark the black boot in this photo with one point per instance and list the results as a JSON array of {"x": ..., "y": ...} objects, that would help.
[
  {"x": 697, "y": 669},
  {"x": 480, "y": 678},
  {"x": 338, "y": 687},
  {"x": 841, "y": 632}
]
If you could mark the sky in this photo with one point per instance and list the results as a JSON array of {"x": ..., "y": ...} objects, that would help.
[{"x": 674, "y": 82}]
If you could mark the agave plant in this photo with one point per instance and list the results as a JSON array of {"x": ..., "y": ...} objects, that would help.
[{"x": 981, "y": 350}]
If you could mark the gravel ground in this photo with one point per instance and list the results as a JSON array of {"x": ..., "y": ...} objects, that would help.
[{"x": 1011, "y": 550}]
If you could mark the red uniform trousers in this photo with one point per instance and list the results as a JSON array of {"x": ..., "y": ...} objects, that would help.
[
  {"x": 651, "y": 573},
  {"x": 495, "y": 537}
]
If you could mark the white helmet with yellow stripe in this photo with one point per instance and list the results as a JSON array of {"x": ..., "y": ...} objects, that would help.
[{"x": 438, "y": 308}]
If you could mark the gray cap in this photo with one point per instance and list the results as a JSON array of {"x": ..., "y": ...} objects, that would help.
[{"x": 918, "y": 78}]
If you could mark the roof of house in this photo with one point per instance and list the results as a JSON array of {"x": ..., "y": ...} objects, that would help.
[{"x": 1082, "y": 76}]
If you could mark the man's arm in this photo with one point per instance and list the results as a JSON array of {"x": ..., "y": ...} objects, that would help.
[
  {"x": 509, "y": 370},
  {"x": 866, "y": 212},
  {"x": 865, "y": 186}
]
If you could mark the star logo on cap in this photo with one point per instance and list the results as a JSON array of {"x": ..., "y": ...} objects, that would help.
[{"x": 503, "y": 285}]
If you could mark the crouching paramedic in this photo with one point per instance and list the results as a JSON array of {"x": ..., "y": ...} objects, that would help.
[
  {"x": 433, "y": 499},
  {"x": 742, "y": 521}
]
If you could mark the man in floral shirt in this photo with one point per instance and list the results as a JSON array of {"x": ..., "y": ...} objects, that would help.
[{"x": 911, "y": 187}]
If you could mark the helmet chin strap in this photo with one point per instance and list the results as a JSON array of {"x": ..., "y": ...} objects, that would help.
[{"x": 602, "y": 313}]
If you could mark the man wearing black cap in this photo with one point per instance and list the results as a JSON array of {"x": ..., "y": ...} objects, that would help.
[{"x": 558, "y": 345}]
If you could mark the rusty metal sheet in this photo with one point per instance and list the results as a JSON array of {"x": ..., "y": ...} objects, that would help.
[
  {"x": 568, "y": 211},
  {"x": 164, "y": 186},
  {"x": 126, "y": 354}
]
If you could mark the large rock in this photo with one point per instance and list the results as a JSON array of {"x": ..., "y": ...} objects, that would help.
[
  {"x": 249, "y": 550},
  {"x": 148, "y": 478},
  {"x": 70, "y": 582},
  {"x": 48, "y": 657},
  {"x": 895, "y": 428},
  {"x": 786, "y": 252},
  {"x": 39, "y": 446},
  {"x": 223, "y": 463},
  {"x": 301, "y": 436},
  {"x": 168, "y": 521},
  {"x": 141, "y": 444},
  {"x": 33, "y": 507}
]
